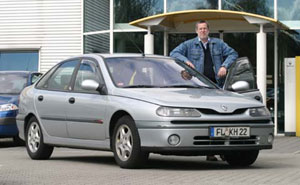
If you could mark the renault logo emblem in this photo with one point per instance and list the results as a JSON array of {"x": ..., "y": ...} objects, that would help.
[{"x": 224, "y": 108}]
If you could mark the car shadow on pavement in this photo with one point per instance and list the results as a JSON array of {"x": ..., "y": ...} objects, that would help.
[
  {"x": 201, "y": 164},
  {"x": 105, "y": 160},
  {"x": 154, "y": 163},
  {"x": 6, "y": 143}
]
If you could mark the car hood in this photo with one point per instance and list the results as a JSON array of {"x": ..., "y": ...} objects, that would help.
[
  {"x": 186, "y": 97},
  {"x": 4, "y": 99}
]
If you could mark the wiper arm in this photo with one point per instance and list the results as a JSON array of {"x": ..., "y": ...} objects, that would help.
[
  {"x": 140, "y": 86},
  {"x": 181, "y": 86}
]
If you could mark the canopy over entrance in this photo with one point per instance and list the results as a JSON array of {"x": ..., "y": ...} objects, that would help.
[{"x": 219, "y": 20}]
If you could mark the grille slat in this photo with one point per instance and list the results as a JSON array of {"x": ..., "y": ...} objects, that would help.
[
  {"x": 220, "y": 122},
  {"x": 207, "y": 141}
]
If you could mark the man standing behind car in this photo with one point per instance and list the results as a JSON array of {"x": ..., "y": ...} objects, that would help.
[{"x": 210, "y": 56}]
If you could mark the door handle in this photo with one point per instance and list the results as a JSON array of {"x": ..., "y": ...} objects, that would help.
[
  {"x": 71, "y": 100},
  {"x": 40, "y": 98}
]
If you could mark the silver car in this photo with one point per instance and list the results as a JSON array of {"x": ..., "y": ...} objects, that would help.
[{"x": 133, "y": 105}]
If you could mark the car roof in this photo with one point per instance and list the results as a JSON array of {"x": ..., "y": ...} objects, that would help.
[{"x": 118, "y": 55}]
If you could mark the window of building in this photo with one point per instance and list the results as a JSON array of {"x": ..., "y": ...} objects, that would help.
[
  {"x": 19, "y": 60},
  {"x": 98, "y": 43},
  {"x": 133, "y": 42},
  {"x": 96, "y": 15},
  {"x": 261, "y": 7},
  {"x": 130, "y": 10},
  {"x": 288, "y": 13},
  {"x": 177, "y": 5}
]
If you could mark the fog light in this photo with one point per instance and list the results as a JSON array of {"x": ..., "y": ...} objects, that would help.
[
  {"x": 270, "y": 138},
  {"x": 174, "y": 139}
]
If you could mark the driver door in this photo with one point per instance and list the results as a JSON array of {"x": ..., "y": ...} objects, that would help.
[{"x": 242, "y": 71}]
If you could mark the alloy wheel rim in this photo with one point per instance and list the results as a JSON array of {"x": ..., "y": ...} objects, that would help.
[
  {"x": 124, "y": 142},
  {"x": 34, "y": 137}
]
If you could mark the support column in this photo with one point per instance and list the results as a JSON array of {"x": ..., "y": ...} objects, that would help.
[
  {"x": 166, "y": 48},
  {"x": 261, "y": 64},
  {"x": 221, "y": 32},
  {"x": 149, "y": 42},
  {"x": 275, "y": 80}
]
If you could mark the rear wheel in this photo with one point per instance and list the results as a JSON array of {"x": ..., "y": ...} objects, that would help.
[
  {"x": 126, "y": 144},
  {"x": 241, "y": 158},
  {"x": 35, "y": 146}
]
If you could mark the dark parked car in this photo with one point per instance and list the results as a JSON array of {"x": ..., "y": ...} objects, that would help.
[{"x": 11, "y": 85}]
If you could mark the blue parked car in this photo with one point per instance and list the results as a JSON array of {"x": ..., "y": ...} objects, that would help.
[{"x": 11, "y": 85}]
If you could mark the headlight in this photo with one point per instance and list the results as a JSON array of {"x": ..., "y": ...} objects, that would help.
[
  {"x": 7, "y": 107},
  {"x": 177, "y": 112},
  {"x": 258, "y": 112}
]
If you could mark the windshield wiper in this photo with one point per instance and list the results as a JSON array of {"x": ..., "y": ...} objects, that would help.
[
  {"x": 182, "y": 86},
  {"x": 140, "y": 86}
]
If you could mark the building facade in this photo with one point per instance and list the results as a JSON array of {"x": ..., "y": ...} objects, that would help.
[{"x": 36, "y": 34}]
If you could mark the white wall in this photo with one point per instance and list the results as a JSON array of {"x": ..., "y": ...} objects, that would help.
[{"x": 52, "y": 26}]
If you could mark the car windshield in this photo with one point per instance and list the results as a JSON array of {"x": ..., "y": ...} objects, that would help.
[
  {"x": 12, "y": 83},
  {"x": 142, "y": 72}
]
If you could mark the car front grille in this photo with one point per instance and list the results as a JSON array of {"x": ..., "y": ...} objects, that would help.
[
  {"x": 207, "y": 141},
  {"x": 213, "y": 112}
]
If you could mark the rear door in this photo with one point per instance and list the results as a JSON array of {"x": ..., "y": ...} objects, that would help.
[
  {"x": 242, "y": 71},
  {"x": 51, "y": 99}
]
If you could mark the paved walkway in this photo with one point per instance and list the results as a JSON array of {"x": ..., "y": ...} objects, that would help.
[
  {"x": 283, "y": 144},
  {"x": 279, "y": 166}
]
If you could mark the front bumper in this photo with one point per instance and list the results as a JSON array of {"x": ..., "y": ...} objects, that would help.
[
  {"x": 196, "y": 139},
  {"x": 8, "y": 127}
]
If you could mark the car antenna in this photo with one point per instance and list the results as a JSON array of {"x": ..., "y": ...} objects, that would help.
[{"x": 132, "y": 41}]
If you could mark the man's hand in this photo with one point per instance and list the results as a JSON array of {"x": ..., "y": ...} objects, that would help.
[
  {"x": 222, "y": 72},
  {"x": 190, "y": 64}
]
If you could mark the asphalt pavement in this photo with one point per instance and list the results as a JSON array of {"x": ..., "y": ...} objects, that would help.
[{"x": 281, "y": 165}]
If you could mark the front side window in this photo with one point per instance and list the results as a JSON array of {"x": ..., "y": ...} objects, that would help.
[
  {"x": 87, "y": 71},
  {"x": 241, "y": 70},
  {"x": 12, "y": 83},
  {"x": 154, "y": 72},
  {"x": 59, "y": 79}
]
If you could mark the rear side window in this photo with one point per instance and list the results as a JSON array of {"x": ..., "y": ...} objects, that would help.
[{"x": 60, "y": 78}]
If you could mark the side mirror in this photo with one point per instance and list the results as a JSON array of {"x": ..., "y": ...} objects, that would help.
[
  {"x": 240, "y": 86},
  {"x": 92, "y": 85}
]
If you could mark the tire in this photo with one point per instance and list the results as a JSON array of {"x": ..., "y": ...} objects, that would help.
[
  {"x": 36, "y": 148},
  {"x": 18, "y": 141},
  {"x": 241, "y": 158},
  {"x": 126, "y": 144}
]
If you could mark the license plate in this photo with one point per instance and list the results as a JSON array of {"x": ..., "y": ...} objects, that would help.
[{"x": 229, "y": 131}]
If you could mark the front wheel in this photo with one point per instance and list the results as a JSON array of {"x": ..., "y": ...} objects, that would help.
[
  {"x": 36, "y": 148},
  {"x": 241, "y": 158},
  {"x": 126, "y": 144}
]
